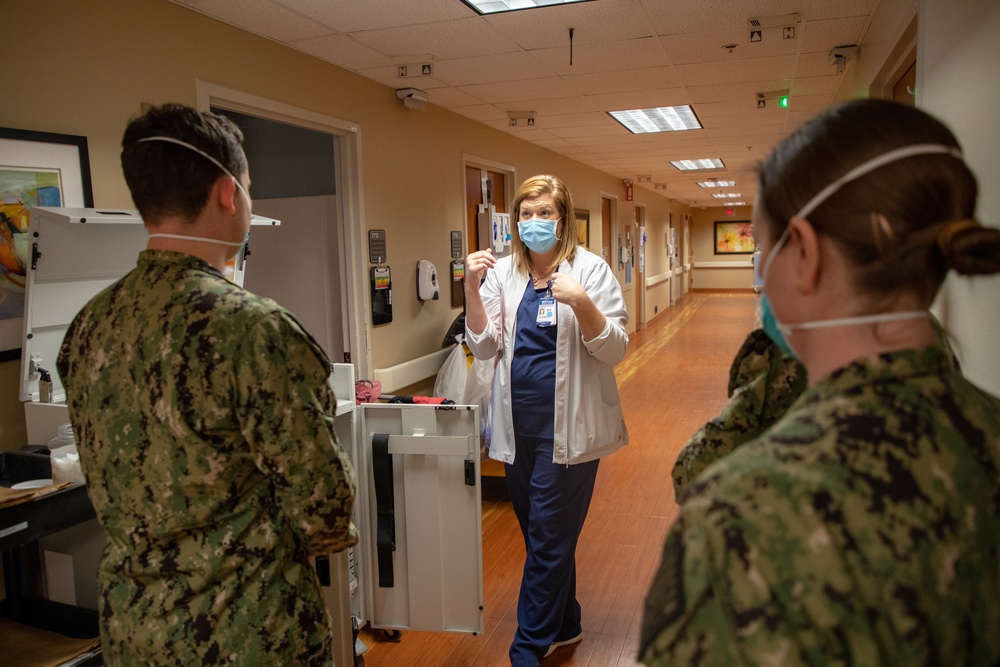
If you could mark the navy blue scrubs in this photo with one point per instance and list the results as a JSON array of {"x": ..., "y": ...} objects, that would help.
[{"x": 550, "y": 500}]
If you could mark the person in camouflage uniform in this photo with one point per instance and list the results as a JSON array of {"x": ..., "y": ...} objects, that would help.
[
  {"x": 763, "y": 384},
  {"x": 860, "y": 528},
  {"x": 204, "y": 422},
  {"x": 764, "y": 381}
]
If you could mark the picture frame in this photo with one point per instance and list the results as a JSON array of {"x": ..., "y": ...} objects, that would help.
[
  {"x": 582, "y": 226},
  {"x": 734, "y": 237},
  {"x": 36, "y": 169}
]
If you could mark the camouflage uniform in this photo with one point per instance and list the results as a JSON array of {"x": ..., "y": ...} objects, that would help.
[
  {"x": 860, "y": 530},
  {"x": 763, "y": 383},
  {"x": 204, "y": 421}
]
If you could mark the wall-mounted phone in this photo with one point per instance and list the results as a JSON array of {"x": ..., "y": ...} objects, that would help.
[{"x": 427, "y": 282}]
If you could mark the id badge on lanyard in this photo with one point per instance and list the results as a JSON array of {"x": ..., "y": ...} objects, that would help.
[{"x": 546, "y": 309}]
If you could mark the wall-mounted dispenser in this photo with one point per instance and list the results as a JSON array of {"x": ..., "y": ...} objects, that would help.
[{"x": 427, "y": 282}]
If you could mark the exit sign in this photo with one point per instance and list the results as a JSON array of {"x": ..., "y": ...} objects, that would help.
[{"x": 730, "y": 211}]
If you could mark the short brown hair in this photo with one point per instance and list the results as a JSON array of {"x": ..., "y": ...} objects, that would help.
[{"x": 166, "y": 179}]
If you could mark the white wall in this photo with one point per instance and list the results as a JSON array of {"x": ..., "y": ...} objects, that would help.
[{"x": 958, "y": 59}]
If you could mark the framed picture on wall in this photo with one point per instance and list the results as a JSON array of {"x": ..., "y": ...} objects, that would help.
[
  {"x": 582, "y": 226},
  {"x": 36, "y": 169},
  {"x": 734, "y": 237}
]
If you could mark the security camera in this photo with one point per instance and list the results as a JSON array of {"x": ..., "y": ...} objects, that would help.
[
  {"x": 413, "y": 98},
  {"x": 841, "y": 54}
]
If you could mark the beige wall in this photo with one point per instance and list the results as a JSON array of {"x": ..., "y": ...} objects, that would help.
[
  {"x": 703, "y": 246},
  {"x": 85, "y": 68},
  {"x": 956, "y": 81}
]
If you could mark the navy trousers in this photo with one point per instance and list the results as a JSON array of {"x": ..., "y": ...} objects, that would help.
[{"x": 551, "y": 503}]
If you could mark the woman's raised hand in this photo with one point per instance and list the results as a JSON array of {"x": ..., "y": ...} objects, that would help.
[{"x": 476, "y": 265}]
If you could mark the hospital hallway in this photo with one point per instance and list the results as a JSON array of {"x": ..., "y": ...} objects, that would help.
[{"x": 672, "y": 381}]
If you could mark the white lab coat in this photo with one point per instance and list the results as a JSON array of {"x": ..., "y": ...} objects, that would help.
[{"x": 589, "y": 422}]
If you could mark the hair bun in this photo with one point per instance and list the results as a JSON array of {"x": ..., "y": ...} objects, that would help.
[{"x": 953, "y": 228}]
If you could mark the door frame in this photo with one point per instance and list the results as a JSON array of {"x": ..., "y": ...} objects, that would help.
[
  {"x": 484, "y": 164},
  {"x": 349, "y": 189}
]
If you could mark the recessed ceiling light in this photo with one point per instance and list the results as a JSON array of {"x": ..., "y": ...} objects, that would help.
[
  {"x": 498, "y": 6},
  {"x": 735, "y": 203},
  {"x": 712, "y": 183},
  {"x": 728, "y": 195},
  {"x": 698, "y": 165},
  {"x": 660, "y": 119}
]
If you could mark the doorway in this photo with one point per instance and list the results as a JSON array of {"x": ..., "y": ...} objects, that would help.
[{"x": 313, "y": 263}]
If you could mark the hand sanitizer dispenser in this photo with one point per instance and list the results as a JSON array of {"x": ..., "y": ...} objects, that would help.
[{"x": 427, "y": 282}]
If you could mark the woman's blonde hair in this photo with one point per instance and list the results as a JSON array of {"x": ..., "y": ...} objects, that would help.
[{"x": 541, "y": 186}]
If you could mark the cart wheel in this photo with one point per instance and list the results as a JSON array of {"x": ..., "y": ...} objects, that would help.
[{"x": 392, "y": 635}]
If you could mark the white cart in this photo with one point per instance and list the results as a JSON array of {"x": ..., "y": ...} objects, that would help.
[{"x": 418, "y": 565}]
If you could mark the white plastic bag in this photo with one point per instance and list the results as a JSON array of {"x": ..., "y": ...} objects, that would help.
[
  {"x": 478, "y": 390},
  {"x": 450, "y": 382}
]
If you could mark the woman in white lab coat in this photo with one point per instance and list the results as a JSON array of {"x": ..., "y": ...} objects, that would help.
[{"x": 553, "y": 316}]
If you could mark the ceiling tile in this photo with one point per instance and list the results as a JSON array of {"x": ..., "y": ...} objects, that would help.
[
  {"x": 603, "y": 57},
  {"x": 672, "y": 18},
  {"x": 824, "y": 35},
  {"x": 262, "y": 17},
  {"x": 372, "y": 14},
  {"x": 755, "y": 69},
  {"x": 458, "y": 38},
  {"x": 647, "y": 78},
  {"x": 640, "y": 99},
  {"x": 506, "y": 91},
  {"x": 703, "y": 47},
  {"x": 601, "y": 21},
  {"x": 489, "y": 69},
  {"x": 343, "y": 51}
]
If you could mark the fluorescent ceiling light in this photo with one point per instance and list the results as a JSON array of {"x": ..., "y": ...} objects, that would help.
[
  {"x": 735, "y": 203},
  {"x": 716, "y": 184},
  {"x": 698, "y": 165},
  {"x": 728, "y": 195},
  {"x": 497, "y": 6},
  {"x": 661, "y": 119}
]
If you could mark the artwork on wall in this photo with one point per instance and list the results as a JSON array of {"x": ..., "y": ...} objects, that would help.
[
  {"x": 582, "y": 226},
  {"x": 36, "y": 169},
  {"x": 734, "y": 237}
]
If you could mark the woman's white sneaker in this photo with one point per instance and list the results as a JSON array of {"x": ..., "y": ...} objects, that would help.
[{"x": 554, "y": 645}]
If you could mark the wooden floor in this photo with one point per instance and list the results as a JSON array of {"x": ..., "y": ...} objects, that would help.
[{"x": 672, "y": 381}]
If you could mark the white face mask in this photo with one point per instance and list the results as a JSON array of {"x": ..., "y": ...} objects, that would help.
[
  {"x": 865, "y": 167},
  {"x": 203, "y": 239}
]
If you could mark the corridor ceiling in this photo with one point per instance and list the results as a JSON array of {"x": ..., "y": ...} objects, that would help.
[{"x": 714, "y": 55}]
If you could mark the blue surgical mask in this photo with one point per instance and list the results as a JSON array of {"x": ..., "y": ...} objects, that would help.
[
  {"x": 770, "y": 325},
  {"x": 539, "y": 235}
]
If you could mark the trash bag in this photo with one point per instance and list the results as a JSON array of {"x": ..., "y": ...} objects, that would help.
[
  {"x": 478, "y": 390},
  {"x": 451, "y": 378}
]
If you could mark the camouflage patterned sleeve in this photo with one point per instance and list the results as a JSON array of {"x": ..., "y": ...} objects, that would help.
[
  {"x": 287, "y": 412},
  {"x": 763, "y": 384},
  {"x": 743, "y": 582}
]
